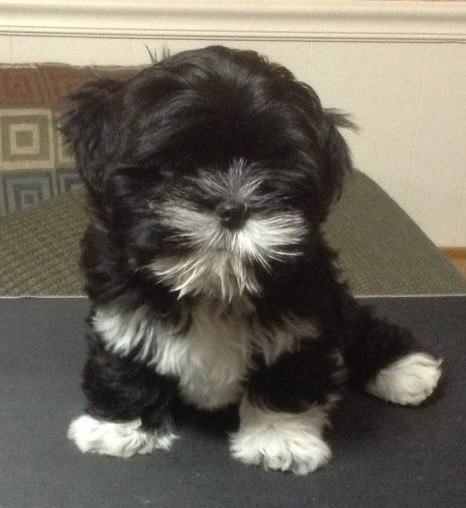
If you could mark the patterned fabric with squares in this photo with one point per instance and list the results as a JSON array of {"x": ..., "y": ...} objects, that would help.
[{"x": 35, "y": 165}]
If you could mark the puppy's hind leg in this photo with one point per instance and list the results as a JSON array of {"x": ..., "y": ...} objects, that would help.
[
  {"x": 387, "y": 361},
  {"x": 127, "y": 410}
]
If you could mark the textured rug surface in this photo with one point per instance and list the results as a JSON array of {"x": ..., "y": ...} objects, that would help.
[
  {"x": 385, "y": 456},
  {"x": 382, "y": 251}
]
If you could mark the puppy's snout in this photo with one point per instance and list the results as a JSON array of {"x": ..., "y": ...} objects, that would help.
[{"x": 232, "y": 213}]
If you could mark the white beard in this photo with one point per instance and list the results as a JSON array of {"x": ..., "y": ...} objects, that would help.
[{"x": 221, "y": 264}]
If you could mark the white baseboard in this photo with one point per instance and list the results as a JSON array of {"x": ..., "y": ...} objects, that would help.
[{"x": 414, "y": 21}]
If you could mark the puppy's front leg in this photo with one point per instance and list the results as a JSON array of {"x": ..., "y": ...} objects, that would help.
[
  {"x": 128, "y": 406},
  {"x": 285, "y": 410}
]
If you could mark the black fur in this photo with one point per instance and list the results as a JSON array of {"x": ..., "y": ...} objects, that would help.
[
  {"x": 159, "y": 135},
  {"x": 119, "y": 389}
]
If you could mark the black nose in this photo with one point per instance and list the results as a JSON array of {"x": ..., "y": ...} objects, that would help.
[{"x": 232, "y": 214}]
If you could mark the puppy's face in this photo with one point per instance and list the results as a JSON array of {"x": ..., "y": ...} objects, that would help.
[{"x": 207, "y": 168}]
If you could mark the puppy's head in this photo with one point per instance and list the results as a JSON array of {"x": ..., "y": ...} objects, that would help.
[{"x": 208, "y": 167}]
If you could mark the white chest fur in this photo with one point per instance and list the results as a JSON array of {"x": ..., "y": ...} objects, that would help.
[
  {"x": 210, "y": 359},
  {"x": 209, "y": 356}
]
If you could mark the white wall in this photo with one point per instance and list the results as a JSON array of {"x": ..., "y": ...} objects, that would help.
[{"x": 398, "y": 67}]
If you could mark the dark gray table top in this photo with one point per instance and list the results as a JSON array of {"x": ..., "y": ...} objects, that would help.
[{"x": 384, "y": 456}]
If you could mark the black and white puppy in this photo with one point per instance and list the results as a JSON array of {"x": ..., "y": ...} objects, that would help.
[{"x": 209, "y": 176}]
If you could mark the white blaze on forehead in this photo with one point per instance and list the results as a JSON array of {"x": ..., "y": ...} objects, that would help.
[{"x": 239, "y": 182}]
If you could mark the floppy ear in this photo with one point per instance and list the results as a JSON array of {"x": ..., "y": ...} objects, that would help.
[
  {"x": 336, "y": 157},
  {"x": 90, "y": 124}
]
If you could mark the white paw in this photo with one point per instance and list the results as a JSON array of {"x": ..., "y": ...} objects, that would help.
[
  {"x": 300, "y": 454},
  {"x": 407, "y": 381},
  {"x": 117, "y": 439},
  {"x": 281, "y": 441}
]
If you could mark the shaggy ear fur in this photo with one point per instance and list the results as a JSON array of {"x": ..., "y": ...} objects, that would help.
[
  {"x": 328, "y": 154},
  {"x": 90, "y": 124},
  {"x": 336, "y": 154}
]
